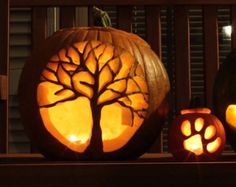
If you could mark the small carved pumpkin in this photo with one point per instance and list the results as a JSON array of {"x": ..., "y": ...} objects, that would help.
[
  {"x": 196, "y": 135},
  {"x": 224, "y": 97},
  {"x": 93, "y": 93}
]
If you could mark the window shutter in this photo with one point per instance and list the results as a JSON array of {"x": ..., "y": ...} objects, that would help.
[
  {"x": 20, "y": 42},
  {"x": 197, "y": 49},
  {"x": 224, "y": 43}
]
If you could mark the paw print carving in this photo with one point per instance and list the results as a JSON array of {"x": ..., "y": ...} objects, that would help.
[{"x": 200, "y": 137}]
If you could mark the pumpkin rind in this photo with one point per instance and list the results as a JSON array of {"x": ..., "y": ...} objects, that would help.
[{"x": 156, "y": 77}]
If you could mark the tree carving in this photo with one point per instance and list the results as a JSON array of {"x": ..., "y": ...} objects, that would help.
[{"x": 100, "y": 73}]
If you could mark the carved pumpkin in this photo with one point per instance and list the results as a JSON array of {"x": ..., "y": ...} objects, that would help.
[
  {"x": 93, "y": 93},
  {"x": 224, "y": 96},
  {"x": 196, "y": 135}
]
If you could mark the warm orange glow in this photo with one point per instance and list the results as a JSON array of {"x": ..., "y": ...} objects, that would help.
[
  {"x": 125, "y": 69},
  {"x": 82, "y": 88},
  {"x": 214, "y": 146},
  {"x": 74, "y": 56},
  {"x": 105, "y": 77},
  {"x": 68, "y": 121},
  {"x": 186, "y": 128},
  {"x": 194, "y": 144},
  {"x": 198, "y": 124},
  {"x": 201, "y": 136},
  {"x": 46, "y": 94},
  {"x": 106, "y": 55},
  {"x": 67, "y": 88},
  {"x": 196, "y": 110},
  {"x": 210, "y": 132},
  {"x": 116, "y": 126},
  {"x": 73, "y": 138},
  {"x": 107, "y": 96},
  {"x": 230, "y": 115}
]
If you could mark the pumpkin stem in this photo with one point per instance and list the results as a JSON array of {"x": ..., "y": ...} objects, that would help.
[
  {"x": 101, "y": 18},
  {"x": 196, "y": 102}
]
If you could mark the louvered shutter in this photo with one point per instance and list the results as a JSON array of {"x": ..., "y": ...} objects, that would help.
[
  {"x": 20, "y": 43},
  {"x": 224, "y": 42}
]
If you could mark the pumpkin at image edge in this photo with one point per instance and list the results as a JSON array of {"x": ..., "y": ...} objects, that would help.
[
  {"x": 106, "y": 86},
  {"x": 224, "y": 96}
]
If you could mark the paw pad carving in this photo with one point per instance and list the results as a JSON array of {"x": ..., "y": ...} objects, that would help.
[{"x": 200, "y": 137}]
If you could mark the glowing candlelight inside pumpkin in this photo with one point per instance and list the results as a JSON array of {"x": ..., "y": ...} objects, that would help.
[
  {"x": 194, "y": 144},
  {"x": 73, "y": 138},
  {"x": 213, "y": 146}
]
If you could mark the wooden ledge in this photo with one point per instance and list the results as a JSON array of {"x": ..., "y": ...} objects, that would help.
[
  {"x": 152, "y": 171},
  {"x": 158, "y": 158},
  {"x": 3, "y": 87}
]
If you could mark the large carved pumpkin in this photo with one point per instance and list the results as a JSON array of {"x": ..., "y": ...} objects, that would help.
[
  {"x": 93, "y": 93},
  {"x": 224, "y": 97}
]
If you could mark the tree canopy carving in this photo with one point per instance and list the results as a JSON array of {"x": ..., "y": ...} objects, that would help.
[{"x": 101, "y": 75}]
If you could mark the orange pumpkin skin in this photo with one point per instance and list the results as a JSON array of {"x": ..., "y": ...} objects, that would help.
[
  {"x": 178, "y": 139},
  {"x": 156, "y": 79},
  {"x": 224, "y": 94}
]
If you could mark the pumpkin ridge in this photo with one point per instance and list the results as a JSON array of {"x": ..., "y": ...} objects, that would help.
[
  {"x": 111, "y": 36},
  {"x": 84, "y": 35},
  {"x": 140, "y": 41}
]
